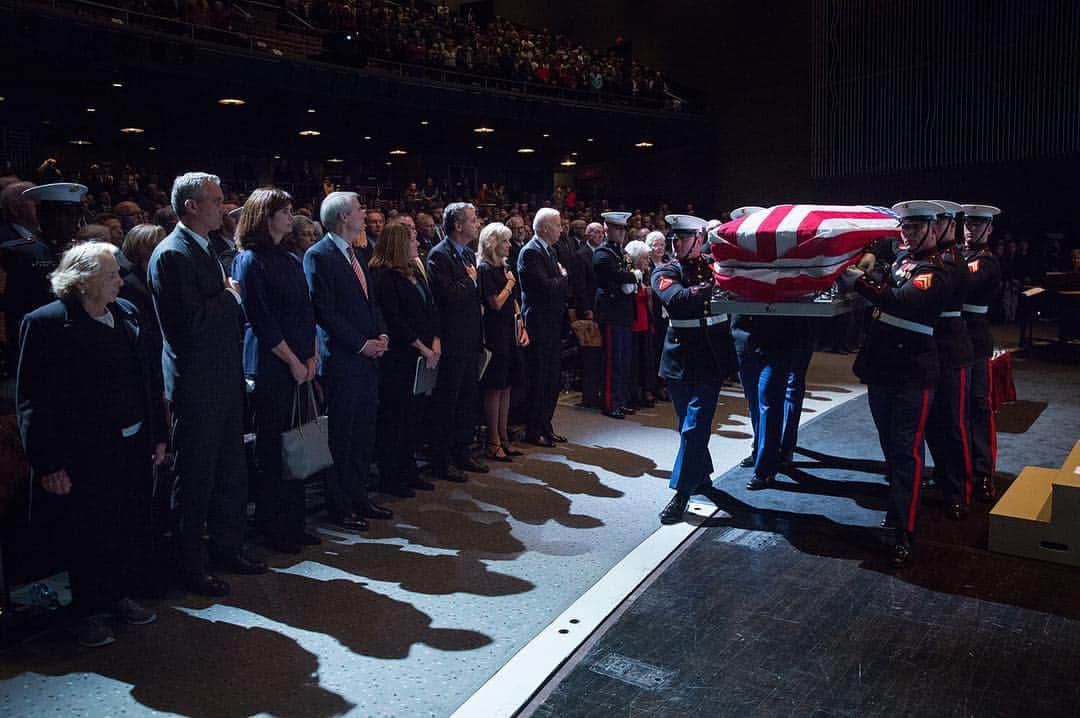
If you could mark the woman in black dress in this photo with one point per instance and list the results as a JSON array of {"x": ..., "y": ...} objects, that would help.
[{"x": 503, "y": 334}]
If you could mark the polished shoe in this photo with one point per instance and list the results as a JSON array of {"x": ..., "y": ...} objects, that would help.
[
  {"x": 93, "y": 632},
  {"x": 449, "y": 473},
  {"x": 468, "y": 463},
  {"x": 349, "y": 522},
  {"x": 308, "y": 539},
  {"x": 134, "y": 613},
  {"x": 901, "y": 553},
  {"x": 984, "y": 488},
  {"x": 371, "y": 510},
  {"x": 673, "y": 512},
  {"x": 419, "y": 484},
  {"x": 238, "y": 563},
  {"x": 748, "y": 461},
  {"x": 540, "y": 440},
  {"x": 889, "y": 522},
  {"x": 510, "y": 450},
  {"x": 616, "y": 414},
  {"x": 956, "y": 511},
  {"x": 495, "y": 452},
  {"x": 760, "y": 482},
  {"x": 557, "y": 438},
  {"x": 205, "y": 584},
  {"x": 629, "y": 411}
]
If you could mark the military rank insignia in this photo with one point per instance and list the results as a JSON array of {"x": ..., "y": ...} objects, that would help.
[{"x": 923, "y": 281}]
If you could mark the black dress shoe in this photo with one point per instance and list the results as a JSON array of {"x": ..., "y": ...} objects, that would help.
[
  {"x": 349, "y": 522},
  {"x": 420, "y": 485},
  {"x": 308, "y": 539},
  {"x": 238, "y": 563},
  {"x": 468, "y": 463},
  {"x": 370, "y": 510},
  {"x": 901, "y": 553},
  {"x": 449, "y": 473},
  {"x": 557, "y": 438},
  {"x": 760, "y": 482},
  {"x": 616, "y": 414},
  {"x": 540, "y": 440},
  {"x": 956, "y": 511},
  {"x": 511, "y": 451},
  {"x": 673, "y": 512},
  {"x": 204, "y": 584},
  {"x": 748, "y": 461},
  {"x": 984, "y": 489},
  {"x": 629, "y": 411}
]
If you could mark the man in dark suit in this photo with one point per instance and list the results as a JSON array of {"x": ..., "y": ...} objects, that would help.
[
  {"x": 352, "y": 337},
  {"x": 451, "y": 269},
  {"x": 198, "y": 309},
  {"x": 543, "y": 304},
  {"x": 582, "y": 278},
  {"x": 615, "y": 285}
]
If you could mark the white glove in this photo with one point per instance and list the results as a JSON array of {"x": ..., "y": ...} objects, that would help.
[
  {"x": 638, "y": 275},
  {"x": 629, "y": 288}
]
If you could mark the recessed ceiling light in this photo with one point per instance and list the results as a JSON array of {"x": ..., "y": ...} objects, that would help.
[
  {"x": 152, "y": 148},
  {"x": 309, "y": 133},
  {"x": 389, "y": 163},
  {"x": 424, "y": 123},
  {"x": 483, "y": 130},
  {"x": 311, "y": 110},
  {"x": 335, "y": 160},
  {"x": 80, "y": 142},
  {"x": 525, "y": 150},
  {"x": 367, "y": 137},
  {"x": 643, "y": 144},
  {"x": 91, "y": 109},
  {"x": 277, "y": 157},
  {"x": 479, "y": 147},
  {"x": 132, "y": 130},
  {"x": 545, "y": 135},
  {"x": 573, "y": 154},
  {"x": 568, "y": 162},
  {"x": 118, "y": 84},
  {"x": 398, "y": 152},
  {"x": 231, "y": 101},
  {"x": 588, "y": 139}
]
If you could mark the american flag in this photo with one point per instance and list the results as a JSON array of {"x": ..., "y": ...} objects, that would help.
[{"x": 794, "y": 250}]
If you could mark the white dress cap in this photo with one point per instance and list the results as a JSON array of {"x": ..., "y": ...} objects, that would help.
[
  {"x": 617, "y": 219},
  {"x": 986, "y": 211},
  {"x": 56, "y": 192},
  {"x": 917, "y": 209},
  {"x": 740, "y": 212}
]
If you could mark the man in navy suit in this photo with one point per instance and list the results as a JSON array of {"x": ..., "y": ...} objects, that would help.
[
  {"x": 543, "y": 304},
  {"x": 451, "y": 269},
  {"x": 198, "y": 309},
  {"x": 352, "y": 337}
]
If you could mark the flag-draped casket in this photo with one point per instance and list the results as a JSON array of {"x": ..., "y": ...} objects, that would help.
[{"x": 794, "y": 250}]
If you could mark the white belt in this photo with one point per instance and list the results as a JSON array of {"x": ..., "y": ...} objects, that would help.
[
  {"x": 976, "y": 308},
  {"x": 129, "y": 431},
  {"x": 951, "y": 314},
  {"x": 694, "y": 323},
  {"x": 905, "y": 324}
]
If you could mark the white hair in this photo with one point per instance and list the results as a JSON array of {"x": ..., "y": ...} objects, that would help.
[
  {"x": 655, "y": 235},
  {"x": 188, "y": 186},
  {"x": 77, "y": 266},
  {"x": 542, "y": 215},
  {"x": 333, "y": 206},
  {"x": 636, "y": 250}
]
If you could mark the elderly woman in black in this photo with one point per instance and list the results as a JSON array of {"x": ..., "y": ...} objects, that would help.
[
  {"x": 93, "y": 427},
  {"x": 412, "y": 322},
  {"x": 281, "y": 336}
]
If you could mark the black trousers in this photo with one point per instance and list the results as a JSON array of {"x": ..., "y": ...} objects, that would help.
[
  {"x": 591, "y": 358},
  {"x": 212, "y": 476},
  {"x": 279, "y": 505},
  {"x": 352, "y": 400},
  {"x": 983, "y": 436},
  {"x": 543, "y": 359},
  {"x": 947, "y": 434},
  {"x": 453, "y": 407},
  {"x": 401, "y": 418},
  {"x": 644, "y": 368},
  {"x": 106, "y": 521}
]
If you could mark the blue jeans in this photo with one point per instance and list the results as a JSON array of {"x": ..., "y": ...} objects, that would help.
[{"x": 695, "y": 405}]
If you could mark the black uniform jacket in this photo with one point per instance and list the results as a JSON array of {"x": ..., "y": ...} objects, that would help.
[
  {"x": 698, "y": 353},
  {"x": 613, "y": 306},
  {"x": 65, "y": 411},
  {"x": 582, "y": 278},
  {"x": 953, "y": 342},
  {"x": 983, "y": 291},
  {"x": 914, "y": 290}
]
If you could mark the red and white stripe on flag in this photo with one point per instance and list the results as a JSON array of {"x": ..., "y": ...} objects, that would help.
[{"x": 794, "y": 250}]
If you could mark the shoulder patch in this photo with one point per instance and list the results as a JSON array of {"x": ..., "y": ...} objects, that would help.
[
  {"x": 923, "y": 281},
  {"x": 664, "y": 283},
  {"x": 973, "y": 266}
]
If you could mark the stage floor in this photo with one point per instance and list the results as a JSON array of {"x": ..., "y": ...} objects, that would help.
[{"x": 415, "y": 617}]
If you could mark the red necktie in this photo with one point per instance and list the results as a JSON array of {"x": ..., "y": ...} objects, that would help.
[{"x": 357, "y": 270}]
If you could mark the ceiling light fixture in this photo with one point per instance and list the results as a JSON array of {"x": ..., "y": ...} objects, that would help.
[
  {"x": 80, "y": 142},
  {"x": 231, "y": 101},
  {"x": 479, "y": 147},
  {"x": 643, "y": 144},
  {"x": 118, "y": 84},
  {"x": 152, "y": 148},
  {"x": 311, "y": 110},
  {"x": 335, "y": 160},
  {"x": 483, "y": 130},
  {"x": 367, "y": 137},
  {"x": 309, "y": 133},
  {"x": 545, "y": 135},
  {"x": 398, "y": 152},
  {"x": 91, "y": 109},
  {"x": 525, "y": 150},
  {"x": 568, "y": 162},
  {"x": 132, "y": 130},
  {"x": 424, "y": 123},
  {"x": 588, "y": 139}
]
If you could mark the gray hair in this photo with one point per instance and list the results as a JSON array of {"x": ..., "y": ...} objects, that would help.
[
  {"x": 188, "y": 186},
  {"x": 454, "y": 213},
  {"x": 655, "y": 235},
  {"x": 636, "y": 250},
  {"x": 333, "y": 206},
  {"x": 542, "y": 215},
  {"x": 77, "y": 266},
  {"x": 301, "y": 220}
]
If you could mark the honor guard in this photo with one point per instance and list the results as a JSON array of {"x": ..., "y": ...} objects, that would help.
[
  {"x": 698, "y": 355},
  {"x": 29, "y": 259},
  {"x": 946, "y": 432},
  {"x": 899, "y": 360},
  {"x": 985, "y": 273},
  {"x": 616, "y": 282}
]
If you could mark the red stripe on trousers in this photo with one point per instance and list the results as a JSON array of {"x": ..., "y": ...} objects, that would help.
[
  {"x": 990, "y": 414},
  {"x": 608, "y": 365},
  {"x": 962, "y": 418},
  {"x": 918, "y": 461}
]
